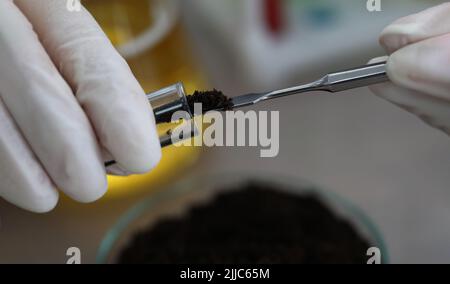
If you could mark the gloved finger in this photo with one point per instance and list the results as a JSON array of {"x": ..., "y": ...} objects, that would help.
[
  {"x": 432, "y": 22},
  {"x": 433, "y": 111},
  {"x": 45, "y": 110},
  {"x": 423, "y": 67},
  {"x": 104, "y": 84},
  {"x": 378, "y": 60},
  {"x": 24, "y": 182}
]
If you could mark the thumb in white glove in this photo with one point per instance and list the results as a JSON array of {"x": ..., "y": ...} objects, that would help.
[
  {"x": 419, "y": 65},
  {"x": 67, "y": 99}
]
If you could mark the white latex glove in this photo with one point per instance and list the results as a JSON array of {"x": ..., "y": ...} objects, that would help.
[
  {"x": 68, "y": 102},
  {"x": 419, "y": 65}
]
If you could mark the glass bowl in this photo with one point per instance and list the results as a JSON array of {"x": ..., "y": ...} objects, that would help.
[{"x": 178, "y": 198}]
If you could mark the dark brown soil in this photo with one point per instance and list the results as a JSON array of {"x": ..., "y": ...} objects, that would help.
[
  {"x": 255, "y": 225},
  {"x": 210, "y": 100}
]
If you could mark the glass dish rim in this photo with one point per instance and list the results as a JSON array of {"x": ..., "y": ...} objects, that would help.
[{"x": 141, "y": 207}]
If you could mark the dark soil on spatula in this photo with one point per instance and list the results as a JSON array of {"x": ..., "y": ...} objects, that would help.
[{"x": 210, "y": 100}]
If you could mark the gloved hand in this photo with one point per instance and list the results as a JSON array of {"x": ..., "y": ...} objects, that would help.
[
  {"x": 419, "y": 65},
  {"x": 68, "y": 102}
]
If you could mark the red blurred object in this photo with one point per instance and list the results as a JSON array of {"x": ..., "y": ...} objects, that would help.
[{"x": 273, "y": 10}]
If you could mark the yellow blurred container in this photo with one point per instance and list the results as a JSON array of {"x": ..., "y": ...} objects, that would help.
[{"x": 148, "y": 34}]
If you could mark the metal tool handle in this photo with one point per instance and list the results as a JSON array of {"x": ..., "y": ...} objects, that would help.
[
  {"x": 334, "y": 82},
  {"x": 355, "y": 78}
]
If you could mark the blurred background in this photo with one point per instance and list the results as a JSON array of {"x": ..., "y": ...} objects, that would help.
[{"x": 373, "y": 154}]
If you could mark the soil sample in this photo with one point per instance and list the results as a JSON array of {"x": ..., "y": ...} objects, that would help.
[
  {"x": 210, "y": 100},
  {"x": 257, "y": 224}
]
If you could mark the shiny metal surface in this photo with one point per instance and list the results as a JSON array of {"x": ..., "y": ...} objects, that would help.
[{"x": 334, "y": 82}]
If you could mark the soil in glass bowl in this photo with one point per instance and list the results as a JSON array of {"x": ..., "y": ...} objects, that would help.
[{"x": 256, "y": 224}]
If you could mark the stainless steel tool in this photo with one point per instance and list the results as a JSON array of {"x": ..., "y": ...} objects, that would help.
[
  {"x": 169, "y": 100},
  {"x": 333, "y": 82}
]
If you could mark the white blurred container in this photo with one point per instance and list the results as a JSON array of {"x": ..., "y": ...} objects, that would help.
[{"x": 241, "y": 51}]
